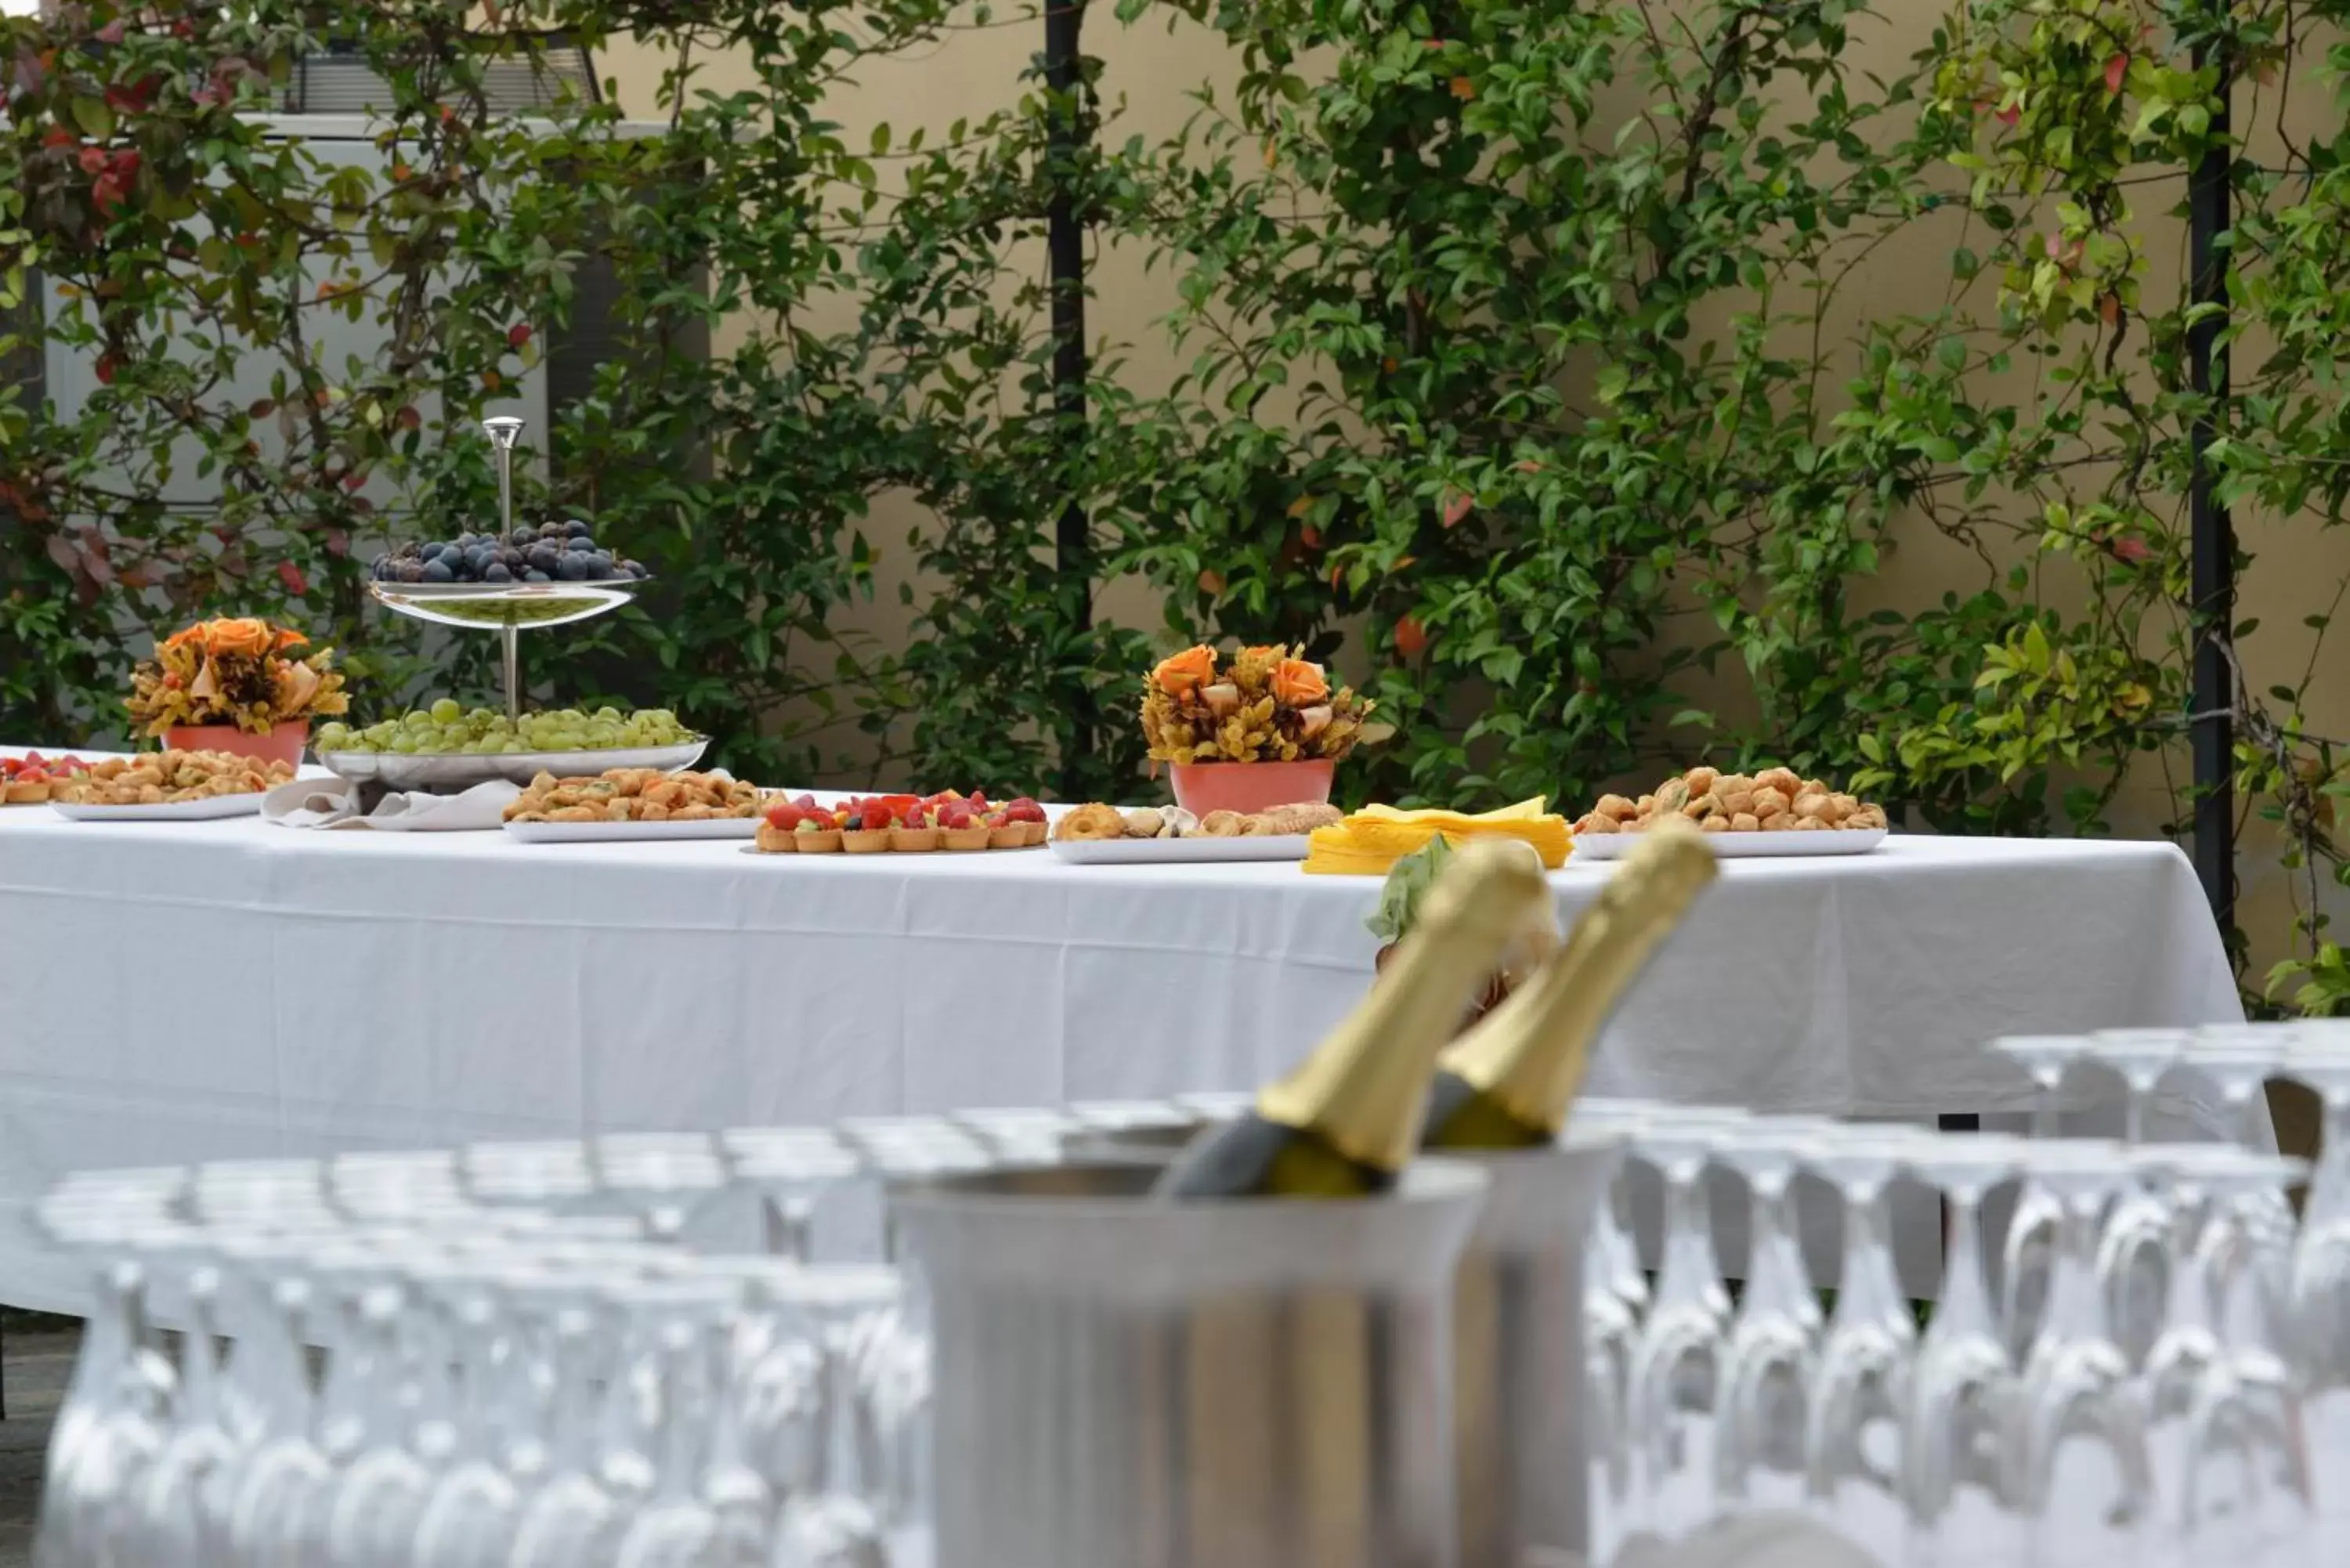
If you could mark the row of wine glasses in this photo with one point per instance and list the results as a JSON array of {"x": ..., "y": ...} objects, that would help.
[
  {"x": 527, "y": 1359},
  {"x": 497, "y": 1386},
  {"x": 2146, "y": 1365},
  {"x": 2300, "y": 1270}
]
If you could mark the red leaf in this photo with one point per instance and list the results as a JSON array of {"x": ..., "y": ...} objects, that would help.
[
  {"x": 2109, "y": 310},
  {"x": 62, "y": 552},
  {"x": 124, "y": 165},
  {"x": 1463, "y": 89},
  {"x": 291, "y": 575},
  {"x": 1310, "y": 536},
  {"x": 2010, "y": 116},
  {"x": 93, "y": 160},
  {"x": 1456, "y": 509},
  {"x": 2117, "y": 72},
  {"x": 355, "y": 479},
  {"x": 517, "y": 335},
  {"x": 106, "y": 370},
  {"x": 59, "y": 136},
  {"x": 2132, "y": 550},
  {"x": 408, "y": 418},
  {"x": 114, "y": 32},
  {"x": 339, "y": 543}
]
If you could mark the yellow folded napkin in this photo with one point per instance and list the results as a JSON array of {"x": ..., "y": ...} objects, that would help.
[{"x": 1372, "y": 840}]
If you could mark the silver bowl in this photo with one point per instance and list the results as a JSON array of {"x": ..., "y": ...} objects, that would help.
[
  {"x": 462, "y": 770},
  {"x": 514, "y": 604}
]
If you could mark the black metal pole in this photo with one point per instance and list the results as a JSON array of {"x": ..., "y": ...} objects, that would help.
[
  {"x": 1066, "y": 134},
  {"x": 2212, "y": 548}
]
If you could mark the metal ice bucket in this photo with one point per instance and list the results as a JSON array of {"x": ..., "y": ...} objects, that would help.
[
  {"x": 1518, "y": 1368},
  {"x": 1125, "y": 1384}
]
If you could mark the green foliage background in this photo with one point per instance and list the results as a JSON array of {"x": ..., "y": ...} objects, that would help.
[{"x": 1522, "y": 377}]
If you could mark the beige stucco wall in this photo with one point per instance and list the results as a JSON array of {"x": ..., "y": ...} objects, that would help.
[{"x": 1150, "y": 69}]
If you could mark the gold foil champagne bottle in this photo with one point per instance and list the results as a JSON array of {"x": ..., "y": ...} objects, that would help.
[
  {"x": 1346, "y": 1122},
  {"x": 1508, "y": 1082}
]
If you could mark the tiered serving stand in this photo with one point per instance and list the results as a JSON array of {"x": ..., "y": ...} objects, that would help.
[{"x": 507, "y": 607}]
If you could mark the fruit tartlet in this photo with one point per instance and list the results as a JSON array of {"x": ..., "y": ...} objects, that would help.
[
  {"x": 800, "y": 827},
  {"x": 33, "y": 778}
]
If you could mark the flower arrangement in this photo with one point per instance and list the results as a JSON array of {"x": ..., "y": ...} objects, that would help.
[
  {"x": 1266, "y": 705},
  {"x": 233, "y": 672}
]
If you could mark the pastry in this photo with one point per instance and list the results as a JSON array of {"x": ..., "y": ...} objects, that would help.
[
  {"x": 634, "y": 794},
  {"x": 1776, "y": 800},
  {"x": 1091, "y": 823},
  {"x": 1148, "y": 822},
  {"x": 1305, "y": 818},
  {"x": 1223, "y": 824}
]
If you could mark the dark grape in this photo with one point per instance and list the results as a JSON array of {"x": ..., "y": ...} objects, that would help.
[
  {"x": 412, "y": 571},
  {"x": 577, "y": 529},
  {"x": 496, "y": 571},
  {"x": 573, "y": 567},
  {"x": 437, "y": 571},
  {"x": 522, "y": 537},
  {"x": 536, "y": 576}
]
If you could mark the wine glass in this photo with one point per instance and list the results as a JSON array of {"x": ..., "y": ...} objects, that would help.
[
  {"x": 2028, "y": 1256},
  {"x": 175, "y": 1515},
  {"x": 2134, "y": 1255},
  {"x": 1770, "y": 1358},
  {"x": 1852, "y": 1443},
  {"x": 111, "y": 1424},
  {"x": 467, "y": 1518},
  {"x": 574, "y": 1514},
  {"x": 677, "y": 1527},
  {"x": 2079, "y": 1469},
  {"x": 1962, "y": 1390},
  {"x": 1673, "y": 1387},
  {"x": 856, "y": 1491},
  {"x": 2225, "y": 1435},
  {"x": 372, "y": 1520}
]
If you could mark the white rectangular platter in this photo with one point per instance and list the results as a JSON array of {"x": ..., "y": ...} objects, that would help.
[
  {"x": 1742, "y": 845},
  {"x": 1178, "y": 851},
  {"x": 209, "y": 809},
  {"x": 639, "y": 832}
]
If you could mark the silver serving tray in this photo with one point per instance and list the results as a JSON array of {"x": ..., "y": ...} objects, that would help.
[
  {"x": 517, "y": 605},
  {"x": 400, "y": 771}
]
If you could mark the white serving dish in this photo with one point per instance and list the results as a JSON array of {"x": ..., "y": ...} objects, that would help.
[
  {"x": 1178, "y": 851},
  {"x": 447, "y": 772},
  {"x": 625, "y": 832},
  {"x": 1742, "y": 845},
  {"x": 211, "y": 808}
]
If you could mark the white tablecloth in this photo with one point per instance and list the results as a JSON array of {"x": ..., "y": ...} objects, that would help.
[{"x": 179, "y": 992}]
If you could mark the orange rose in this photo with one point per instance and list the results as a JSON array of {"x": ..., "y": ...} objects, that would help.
[
  {"x": 1299, "y": 684},
  {"x": 286, "y": 636},
  {"x": 247, "y": 637},
  {"x": 1267, "y": 654},
  {"x": 1186, "y": 673}
]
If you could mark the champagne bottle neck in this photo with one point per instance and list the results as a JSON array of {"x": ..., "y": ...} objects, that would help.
[
  {"x": 1528, "y": 1054},
  {"x": 1363, "y": 1091}
]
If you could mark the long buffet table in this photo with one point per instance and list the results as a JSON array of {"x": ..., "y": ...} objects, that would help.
[{"x": 189, "y": 991}]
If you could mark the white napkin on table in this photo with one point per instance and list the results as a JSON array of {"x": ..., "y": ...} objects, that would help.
[{"x": 335, "y": 802}]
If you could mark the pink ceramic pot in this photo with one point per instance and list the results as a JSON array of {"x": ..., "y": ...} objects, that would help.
[
  {"x": 282, "y": 744},
  {"x": 1245, "y": 787}
]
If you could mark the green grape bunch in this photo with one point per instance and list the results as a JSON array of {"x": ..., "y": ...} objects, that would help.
[{"x": 447, "y": 730}]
